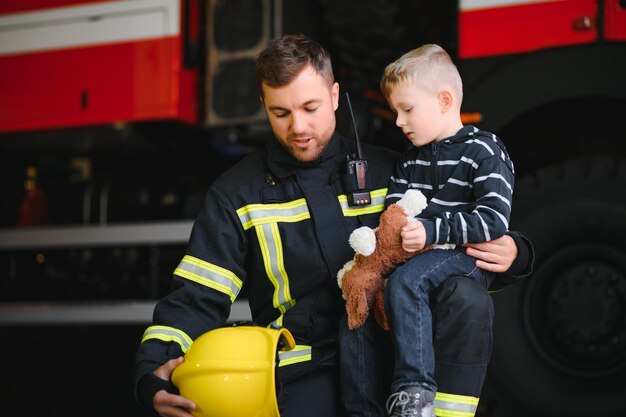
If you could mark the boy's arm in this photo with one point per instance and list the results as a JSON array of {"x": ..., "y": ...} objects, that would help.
[
  {"x": 398, "y": 183},
  {"x": 485, "y": 219}
]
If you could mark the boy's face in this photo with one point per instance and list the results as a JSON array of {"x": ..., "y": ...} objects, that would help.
[
  {"x": 302, "y": 114},
  {"x": 418, "y": 113}
]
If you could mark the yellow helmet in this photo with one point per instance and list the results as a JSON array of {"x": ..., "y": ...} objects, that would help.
[{"x": 229, "y": 372}]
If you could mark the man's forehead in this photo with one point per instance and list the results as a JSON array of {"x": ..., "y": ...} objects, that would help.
[{"x": 293, "y": 95}]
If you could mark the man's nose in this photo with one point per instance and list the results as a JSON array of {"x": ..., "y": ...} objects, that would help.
[{"x": 298, "y": 123}]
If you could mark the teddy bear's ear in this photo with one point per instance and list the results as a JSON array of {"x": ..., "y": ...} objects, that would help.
[
  {"x": 363, "y": 241},
  {"x": 412, "y": 202}
]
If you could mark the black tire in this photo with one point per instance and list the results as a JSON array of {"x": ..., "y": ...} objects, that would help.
[{"x": 560, "y": 335}]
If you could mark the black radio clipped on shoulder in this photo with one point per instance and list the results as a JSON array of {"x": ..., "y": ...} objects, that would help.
[{"x": 356, "y": 168}]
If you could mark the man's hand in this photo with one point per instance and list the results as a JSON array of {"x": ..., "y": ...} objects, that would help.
[
  {"x": 413, "y": 236},
  {"x": 494, "y": 256},
  {"x": 171, "y": 405}
]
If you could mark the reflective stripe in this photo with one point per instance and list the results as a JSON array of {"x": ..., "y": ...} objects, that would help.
[
  {"x": 265, "y": 218},
  {"x": 272, "y": 250},
  {"x": 301, "y": 353},
  {"x": 259, "y": 214},
  {"x": 277, "y": 323},
  {"x": 453, "y": 405},
  {"x": 209, "y": 275},
  {"x": 377, "y": 206},
  {"x": 168, "y": 334}
]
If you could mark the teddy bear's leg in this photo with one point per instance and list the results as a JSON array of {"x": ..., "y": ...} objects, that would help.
[
  {"x": 359, "y": 290},
  {"x": 356, "y": 300}
]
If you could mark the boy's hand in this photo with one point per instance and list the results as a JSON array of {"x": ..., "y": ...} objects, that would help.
[{"x": 413, "y": 236}]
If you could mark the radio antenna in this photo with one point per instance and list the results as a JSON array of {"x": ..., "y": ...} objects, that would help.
[
  {"x": 357, "y": 169},
  {"x": 359, "y": 153}
]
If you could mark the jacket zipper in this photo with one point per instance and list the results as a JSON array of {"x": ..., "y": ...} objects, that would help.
[{"x": 433, "y": 168}]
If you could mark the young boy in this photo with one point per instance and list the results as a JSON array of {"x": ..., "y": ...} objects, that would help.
[{"x": 467, "y": 178}]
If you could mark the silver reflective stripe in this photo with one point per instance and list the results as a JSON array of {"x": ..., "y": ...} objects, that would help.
[
  {"x": 278, "y": 322},
  {"x": 259, "y": 214},
  {"x": 264, "y": 218},
  {"x": 209, "y": 275},
  {"x": 453, "y": 405},
  {"x": 377, "y": 205},
  {"x": 272, "y": 250},
  {"x": 300, "y": 353},
  {"x": 168, "y": 334}
]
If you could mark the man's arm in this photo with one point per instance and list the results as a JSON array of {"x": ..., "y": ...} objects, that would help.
[
  {"x": 198, "y": 301},
  {"x": 511, "y": 256}
]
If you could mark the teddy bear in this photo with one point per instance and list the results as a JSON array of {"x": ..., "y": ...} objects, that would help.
[{"x": 378, "y": 252}]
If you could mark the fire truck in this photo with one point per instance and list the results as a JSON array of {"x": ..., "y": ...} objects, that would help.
[{"x": 116, "y": 115}]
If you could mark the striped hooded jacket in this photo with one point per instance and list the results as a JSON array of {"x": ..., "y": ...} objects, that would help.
[{"x": 468, "y": 182}]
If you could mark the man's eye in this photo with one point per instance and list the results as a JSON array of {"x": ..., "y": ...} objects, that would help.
[
  {"x": 280, "y": 115},
  {"x": 310, "y": 110}
]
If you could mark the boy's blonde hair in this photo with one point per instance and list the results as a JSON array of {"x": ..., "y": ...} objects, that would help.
[{"x": 429, "y": 67}]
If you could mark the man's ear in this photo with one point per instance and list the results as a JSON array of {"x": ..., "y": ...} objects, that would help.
[
  {"x": 335, "y": 95},
  {"x": 263, "y": 105},
  {"x": 446, "y": 100}
]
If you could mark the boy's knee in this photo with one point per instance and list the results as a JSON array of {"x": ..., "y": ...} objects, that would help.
[{"x": 460, "y": 293}]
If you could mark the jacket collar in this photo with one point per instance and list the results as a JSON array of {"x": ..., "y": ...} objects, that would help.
[
  {"x": 462, "y": 135},
  {"x": 282, "y": 164}
]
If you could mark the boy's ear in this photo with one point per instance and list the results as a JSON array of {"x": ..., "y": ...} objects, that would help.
[{"x": 446, "y": 100}]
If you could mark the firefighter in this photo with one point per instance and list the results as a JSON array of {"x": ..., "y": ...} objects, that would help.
[{"x": 279, "y": 222}]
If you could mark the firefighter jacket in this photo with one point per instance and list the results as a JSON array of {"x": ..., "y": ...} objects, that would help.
[{"x": 277, "y": 229}]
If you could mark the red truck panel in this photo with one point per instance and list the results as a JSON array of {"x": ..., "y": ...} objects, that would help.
[
  {"x": 493, "y": 27},
  {"x": 67, "y": 84},
  {"x": 614, "y": 20}
]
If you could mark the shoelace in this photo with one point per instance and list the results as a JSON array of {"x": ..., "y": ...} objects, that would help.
[{"x": 400, "y": 399}]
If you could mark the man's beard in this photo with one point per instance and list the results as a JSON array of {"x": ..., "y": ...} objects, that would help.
[{"x": 309, "y": 154}]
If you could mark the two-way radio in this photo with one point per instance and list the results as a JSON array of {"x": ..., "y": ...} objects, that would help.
[{"x": 356, "y": 167}]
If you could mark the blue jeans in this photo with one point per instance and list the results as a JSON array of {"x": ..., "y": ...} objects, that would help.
[
  {"x": 407, "y": 304},
  {"x": 366, "y": 362},
  {"x": 462, "y": 313}
]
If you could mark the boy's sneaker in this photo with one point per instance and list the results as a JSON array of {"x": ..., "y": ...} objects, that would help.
[{"x": 411, "y": 402}]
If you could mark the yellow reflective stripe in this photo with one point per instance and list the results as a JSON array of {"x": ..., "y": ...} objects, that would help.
[
  {"x": 272, "y": 251},
  {"x": 168, "y": 334},
  {"x": 453, "y": 405},
  {"x": 300, "y": 353},
  {"x": 377, "y": 206},
  {"x": 209, "y": 275},
  {"x": 277, "y": 323},
  {"x": 259, "y": 214}
]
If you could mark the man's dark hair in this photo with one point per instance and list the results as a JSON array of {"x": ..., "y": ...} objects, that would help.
[{"x": 284, "y": 58}]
